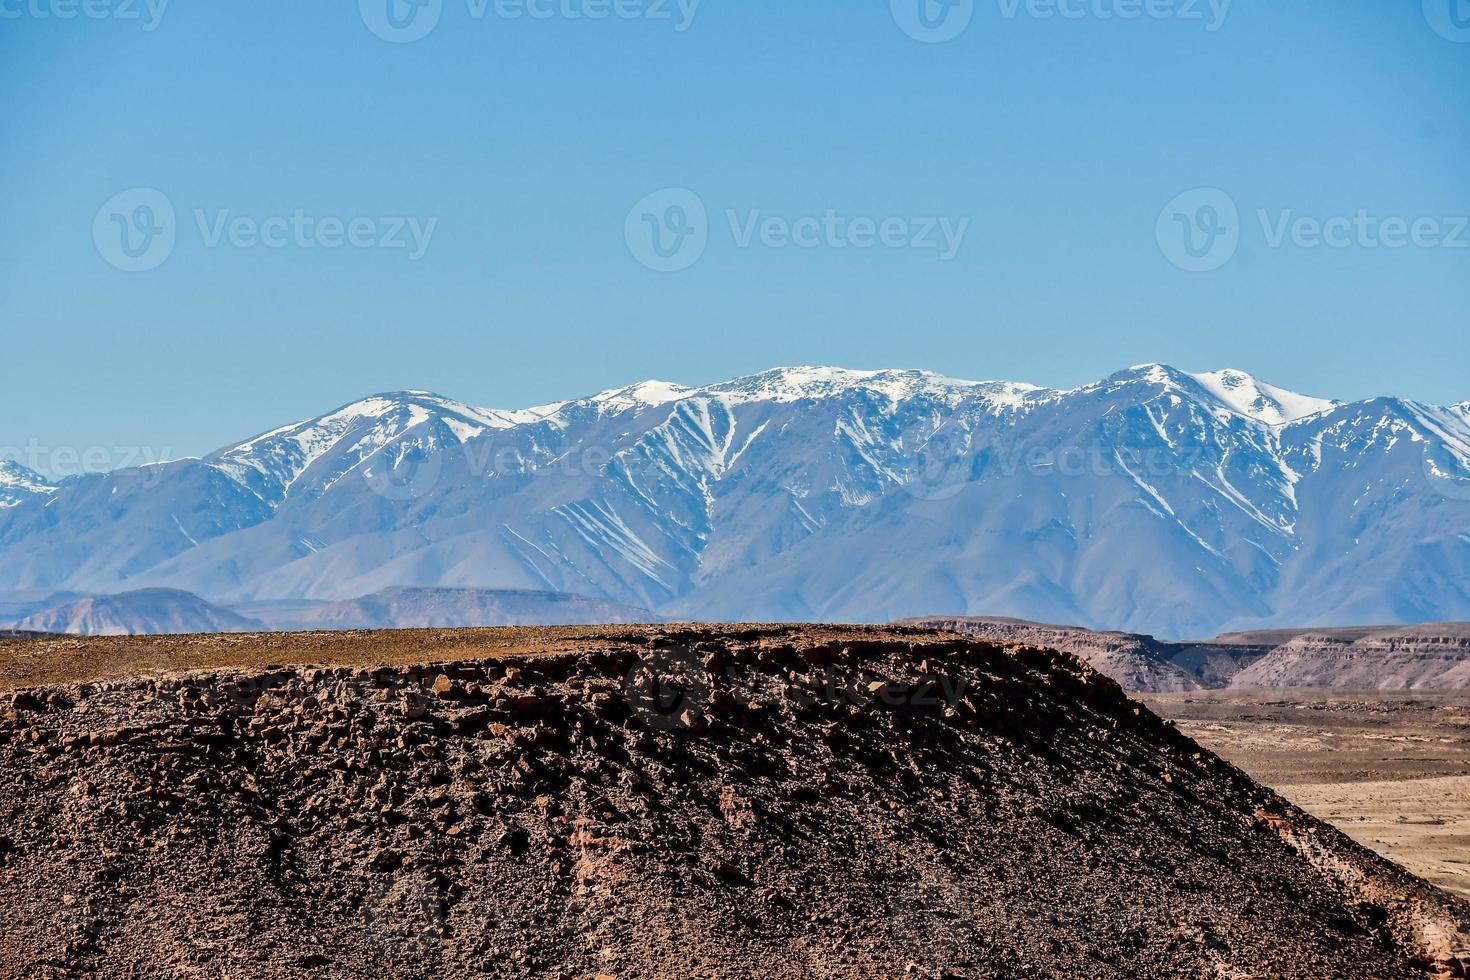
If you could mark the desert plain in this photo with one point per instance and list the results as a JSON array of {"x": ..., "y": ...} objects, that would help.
[{"x": 1391, "y": 769}]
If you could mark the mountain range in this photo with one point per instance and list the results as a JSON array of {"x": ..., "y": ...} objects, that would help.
[
  {"x": 156, "y": 612},
  {"x": 1156, "y": 501},
  {"x": 149, "y": 612}
]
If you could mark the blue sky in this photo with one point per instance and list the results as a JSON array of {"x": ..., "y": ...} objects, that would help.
[{"x": 520, "y": 147}]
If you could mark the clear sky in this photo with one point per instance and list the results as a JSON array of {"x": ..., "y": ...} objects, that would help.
[{"x": 1050, "y": 146}]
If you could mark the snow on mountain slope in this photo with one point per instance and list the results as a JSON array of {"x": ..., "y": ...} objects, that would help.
[
  {"x": 1257, "y": 400},
  {"x": 1155, "y": 500},
  {"x": 274, "y": 464},
  {"x": 1234, "y": 391},
  {"x": 795, "y": 384},
  {"x": 645, "y": 394},
  {"x": 19, "y": 484}
]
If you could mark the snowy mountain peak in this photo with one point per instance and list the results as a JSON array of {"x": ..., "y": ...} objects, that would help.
[
  {"x": 417, "y": 403},
  {"x": 271, "y": 464},
  {"x": 644, "y": 394},
  {"x": 19, "y": 483},
  {"x": 789, "y": 384},
  {"x": 1156, "y": 500},
  {"x": 1236, "y": 391},
  {"x": 1255, "y": 399},
  {"x": 12, "y": 474}
]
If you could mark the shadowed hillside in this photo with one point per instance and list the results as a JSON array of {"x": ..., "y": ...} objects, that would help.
[{"x": 653, "y": 802}]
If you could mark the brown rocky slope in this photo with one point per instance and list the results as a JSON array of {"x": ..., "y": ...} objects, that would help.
[{"x": 653, "y": 802}]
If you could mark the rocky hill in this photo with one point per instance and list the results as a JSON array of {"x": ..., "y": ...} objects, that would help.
[
  {"x": 653, "y": 802},
  {"x": 1432, "y": 656}
]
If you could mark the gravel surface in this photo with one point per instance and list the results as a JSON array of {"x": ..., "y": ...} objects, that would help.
[{"x": 654, "y": 802}]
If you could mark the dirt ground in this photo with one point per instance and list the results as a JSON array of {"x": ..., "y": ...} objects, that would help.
[
  {"x": 1390, "y": 769},
  {"x": 659, "y": 802}
]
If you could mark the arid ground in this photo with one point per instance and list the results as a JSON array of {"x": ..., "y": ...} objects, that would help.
[
  {"x": 1390, "y": 769},
  {"x": 631, "y": 802}
]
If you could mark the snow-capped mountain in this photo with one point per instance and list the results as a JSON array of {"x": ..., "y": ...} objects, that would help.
[
  {"x": 1154, "y": 500},
  {"x": 18, "y": 484}
]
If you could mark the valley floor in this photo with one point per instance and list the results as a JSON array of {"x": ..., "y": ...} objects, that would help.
[{"x": 1389, "y": 769}]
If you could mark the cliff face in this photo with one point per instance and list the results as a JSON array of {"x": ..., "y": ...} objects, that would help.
[
  {"x": 1139, "y": 663},
  {"x": 1136, "y": 662},
  {"x": 654, "y": 802},
  {"x": 1435, "y": 656}
]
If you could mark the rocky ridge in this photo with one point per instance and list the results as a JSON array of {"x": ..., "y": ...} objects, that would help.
[
  {"x": 654, "y": 802},
  {"x": 1434, "y": 656}
]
